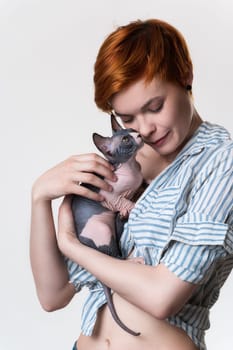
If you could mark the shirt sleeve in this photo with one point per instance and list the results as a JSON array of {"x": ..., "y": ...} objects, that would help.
[
  {"x": 203, "y": 234},
  {"x": 78, "y": 276}
]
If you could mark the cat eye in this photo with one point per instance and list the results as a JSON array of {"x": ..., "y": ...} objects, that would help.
[{"x": 125, "y": 139}]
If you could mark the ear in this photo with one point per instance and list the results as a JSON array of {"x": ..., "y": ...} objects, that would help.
[
  {"x": 115, "y": 125},
  {"x": 102, "y": 143},
  {"x": 98, "y": 140}
]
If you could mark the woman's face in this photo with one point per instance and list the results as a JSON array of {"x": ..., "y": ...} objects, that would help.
[{"x": 160, "y": 111}]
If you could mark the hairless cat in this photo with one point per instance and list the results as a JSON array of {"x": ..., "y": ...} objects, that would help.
[{"x": 99, "y": 225}]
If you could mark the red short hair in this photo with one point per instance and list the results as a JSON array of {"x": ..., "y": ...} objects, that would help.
[{"x": 150, "y": 48}]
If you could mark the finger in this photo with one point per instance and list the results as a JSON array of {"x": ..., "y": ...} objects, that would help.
[
  {"x": 137, "y": 260},
  {"x": 81, "y": 190},
  {"x": 89, "y": 157},
  {"x": 92, "y": 179},
  {"x": 90, "y": 163}
]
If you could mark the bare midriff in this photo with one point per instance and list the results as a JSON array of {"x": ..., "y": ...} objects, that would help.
[{"x": 155, "y": 334}]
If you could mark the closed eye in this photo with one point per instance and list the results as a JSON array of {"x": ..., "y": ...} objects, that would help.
[
  {"x": 124, "y": 118},
  {"x": 154, "y": 105},
  {"x": 155, "y": 109}
]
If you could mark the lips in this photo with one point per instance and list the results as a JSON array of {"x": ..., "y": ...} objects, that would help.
[{"x": 160, "y": 141}]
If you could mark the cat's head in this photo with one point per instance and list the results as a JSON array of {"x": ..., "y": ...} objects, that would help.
[{"x": 121, "y": 146}]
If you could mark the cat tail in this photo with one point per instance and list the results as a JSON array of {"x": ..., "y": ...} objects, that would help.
[{"x": 108, "y": 294}]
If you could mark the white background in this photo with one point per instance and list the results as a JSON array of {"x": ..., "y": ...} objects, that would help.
[{"x": 47, "y": 52}]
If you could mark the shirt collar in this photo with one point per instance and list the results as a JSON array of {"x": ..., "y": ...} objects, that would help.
[{"x": 206, "y": 135}]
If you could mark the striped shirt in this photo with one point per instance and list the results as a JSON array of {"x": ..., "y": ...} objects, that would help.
[{"x": 184, "y": 220}]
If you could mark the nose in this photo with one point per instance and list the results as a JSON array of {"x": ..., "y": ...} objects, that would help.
[{"x": 145, "y": 127}]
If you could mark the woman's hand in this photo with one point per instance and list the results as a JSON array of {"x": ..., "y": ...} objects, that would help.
[{"x": 65, "y": 178}]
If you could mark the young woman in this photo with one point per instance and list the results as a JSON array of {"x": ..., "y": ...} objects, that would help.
[{"x": 181, "y": 229}]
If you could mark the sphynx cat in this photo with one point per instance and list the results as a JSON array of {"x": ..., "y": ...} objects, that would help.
[{"x": 99, "y": 224}]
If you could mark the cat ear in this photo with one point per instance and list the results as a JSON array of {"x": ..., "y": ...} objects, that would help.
[
  {"x": 102, "y": 143},
  {"x": 115, "y": 125}
]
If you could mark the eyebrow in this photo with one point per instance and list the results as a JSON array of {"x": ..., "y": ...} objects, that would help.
[{"x": 143, "y": 108}]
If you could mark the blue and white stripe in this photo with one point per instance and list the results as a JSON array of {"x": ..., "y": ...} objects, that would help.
[{"x": 184, "y": 220}]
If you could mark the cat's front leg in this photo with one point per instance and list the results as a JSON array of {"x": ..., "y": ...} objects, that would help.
[{"x": 124, "y": 206}]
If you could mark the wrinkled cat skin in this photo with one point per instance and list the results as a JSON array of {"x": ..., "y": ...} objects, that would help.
[{"x": 99, "y": 225}]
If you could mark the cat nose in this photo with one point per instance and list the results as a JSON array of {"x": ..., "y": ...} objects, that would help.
[{"x": 139, "y": 139}]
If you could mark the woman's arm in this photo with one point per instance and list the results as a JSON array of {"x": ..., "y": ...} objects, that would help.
[
  {"x": 49, "y": 271},
  {"x": 48, "y": 267},
  {"x": 156, "y": 290}
]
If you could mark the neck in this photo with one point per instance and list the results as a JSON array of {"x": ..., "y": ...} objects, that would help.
[{"x": 194, "y": 125}]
